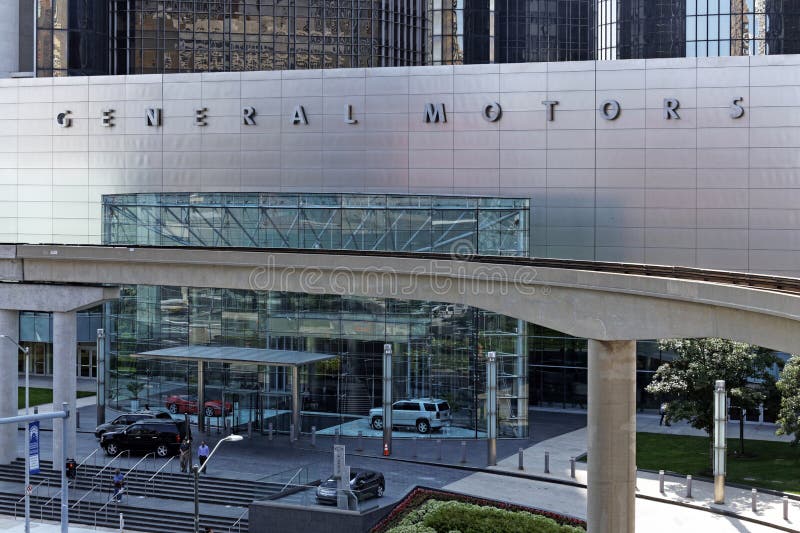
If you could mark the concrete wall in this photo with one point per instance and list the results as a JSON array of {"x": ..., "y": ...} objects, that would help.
[
  {"x": 269, "y": 516},
  {"x": 706, "y": 190}
]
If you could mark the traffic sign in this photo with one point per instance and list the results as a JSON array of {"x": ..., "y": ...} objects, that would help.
[{"x": 29, "y": 489}]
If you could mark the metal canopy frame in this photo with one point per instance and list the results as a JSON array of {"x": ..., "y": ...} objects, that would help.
[{"x": 231, "y": 354}]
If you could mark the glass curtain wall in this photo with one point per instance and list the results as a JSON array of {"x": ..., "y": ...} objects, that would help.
[
  {"x": 163, "y": 36},
  {"x": 636, "y": 29},
  {"x": 463, "y": 225},
  {"x": 508, "y": 31},
  {"x": 439, "y": 351},
  {"x": 72, "y": 38}
]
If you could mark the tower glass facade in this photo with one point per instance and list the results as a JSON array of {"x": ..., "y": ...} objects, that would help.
[
  {"x": 163, "y": 36},
  {"x": 72, "y": 38},
  {"x": 638, "y": 29}
]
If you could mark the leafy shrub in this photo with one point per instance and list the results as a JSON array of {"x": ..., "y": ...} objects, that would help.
[{"x": 457, "y": 517}]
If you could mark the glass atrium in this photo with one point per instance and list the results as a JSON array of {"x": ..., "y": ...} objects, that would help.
[{"x": 439, "y": 350}]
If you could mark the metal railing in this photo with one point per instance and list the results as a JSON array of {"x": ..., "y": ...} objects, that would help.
[
  {"x": 104, "y": 508},
  {"x": 82, "y": 463},
  {"x": 48, "y": 502},
  {"x": 140, "y": 461},
  {"x": 297, "y": 474},
  {"x": 238, "y": 523},
  {"x": 42, "y": 482},
  {"x": 152, "y": 480},
  {"x": 111, "y": 462}
]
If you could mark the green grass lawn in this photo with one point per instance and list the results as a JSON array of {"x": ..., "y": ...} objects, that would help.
[
  {"x": 772, "y": 465},
  {"x": 42, "y": 396}
]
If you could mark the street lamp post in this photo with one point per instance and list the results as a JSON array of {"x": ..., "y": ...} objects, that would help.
[
  {"x": 720, "y": 442},
  {"x": 491, "y": 407},
  {"x": 196, "y": 469},
  {"x": 26, "y": 350}
]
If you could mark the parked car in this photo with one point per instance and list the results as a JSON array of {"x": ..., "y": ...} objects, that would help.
[
  {"x": 425, "y": 414},
  {"x": 156, "y": 435},
  {"x": 364, "y": 483},
  {"x": 127, "y": 419},
  {"x": 179, "y": 404}
]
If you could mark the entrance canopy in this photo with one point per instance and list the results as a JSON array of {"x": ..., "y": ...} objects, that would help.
[{"x": 230, "y": 354}]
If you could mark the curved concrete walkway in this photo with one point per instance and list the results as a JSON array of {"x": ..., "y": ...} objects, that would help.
[{"x": 655, "y": 512}]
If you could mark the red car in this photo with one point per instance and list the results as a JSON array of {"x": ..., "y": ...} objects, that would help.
[{"x": 179, "y": 404}]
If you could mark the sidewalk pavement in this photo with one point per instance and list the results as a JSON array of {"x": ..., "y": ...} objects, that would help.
[
  {"x": 48, "y": 407},
  {"x": 9, "y": 525},
  {"x": 657, "y": 513}
]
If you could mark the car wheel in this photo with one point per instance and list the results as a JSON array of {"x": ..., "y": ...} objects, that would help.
[
  {"x": 111, "y": 449},
  {"x": 173, "y": 408},
  {"x": 162, "y": 450},
  {"x": 377, "y": 423},
  {"x": 379, "y": 491},
  {"x": 423, "y": 426},
  {"x": 209, "y": 411}
]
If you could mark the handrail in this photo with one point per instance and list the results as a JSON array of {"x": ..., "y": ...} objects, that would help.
[
  {"x": 112, "y": 461},
  {"x": 152, "y": 478},
  {"x": 294, "y": 476},
  {"x": 86, "y": 459},
  {"x": 101, "y": 509},
  {"x": 138, "y": 463},
  {"x": 45, "y": 480},
  {"x": 238, "y": 521},
  {"x": 83, "y": 497},
  {"x": 45, "y": 504}
]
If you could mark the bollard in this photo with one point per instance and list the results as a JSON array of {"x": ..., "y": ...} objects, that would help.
[
  {"x": 463, "y": 452},
  {"x": 572, "y": 467},
  {"x": 77, "y": 418},
  {"x": 521, "y": 459},
  {"x": 661, "y": 481},
  {"x": 249, "y": 429},
  {"x": 414, "y": 448},
  {"x": 36, "y": 410},
  {"x": 121, "y": 523},
  {"x": 336, "y": 436},
  {"x": 786, "y": 508},
  {"x": 439, "y": 446},
  {"x": 291, "y": 432},
  {"x": 546, "y": 462},
  {"x": 753, "y": 502},
  {"x": 313, "y": 435},
  {"x": 270, "y": 431},
  {"x": 688, "y": 486},
  {"x": 360, "y": 443}
]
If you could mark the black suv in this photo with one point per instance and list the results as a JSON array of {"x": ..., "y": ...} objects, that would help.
[
  {"x": 364, "y": 483},
  {"x": 159, "y": 436},
  {"x": 127, "y": 419}
]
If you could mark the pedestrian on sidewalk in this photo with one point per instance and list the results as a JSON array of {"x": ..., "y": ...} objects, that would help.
[
  {"x": 663, "y": 411},
  {"x": 119, "y": 485},
  {"x": 202, "y": 453},
  {"x": 186, "y": 454}
]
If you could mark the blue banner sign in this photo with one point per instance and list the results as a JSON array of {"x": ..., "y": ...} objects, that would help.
[{"x": 33, "y": 447}]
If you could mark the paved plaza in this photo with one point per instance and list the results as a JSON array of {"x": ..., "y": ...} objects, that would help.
[{"x": 439, "y": 465}]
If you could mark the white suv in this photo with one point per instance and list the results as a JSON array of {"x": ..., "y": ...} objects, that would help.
[{"x": 424, "y": 414}]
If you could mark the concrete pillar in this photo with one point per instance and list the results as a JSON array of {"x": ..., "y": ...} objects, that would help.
[
  {"x": 9, "y": 355},
  {"x": 65, "y": 343},
  {"x": 9, "y": 37},
  {"x": 612, "y": 437}
]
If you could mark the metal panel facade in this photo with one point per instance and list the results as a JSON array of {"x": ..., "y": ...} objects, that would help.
[{"x": 708, "y": 189}]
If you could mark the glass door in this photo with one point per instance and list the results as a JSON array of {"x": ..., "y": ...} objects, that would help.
[{"x": 87, "y": 362}]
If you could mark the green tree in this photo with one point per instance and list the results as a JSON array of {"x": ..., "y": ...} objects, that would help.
[
  {"x": 687, "y": 382},
  {"x": 789, "y": 387}
]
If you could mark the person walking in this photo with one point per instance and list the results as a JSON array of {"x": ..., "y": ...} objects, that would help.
[
  {"x": 119, "y": 485},
  {"x": 663, "y": 411},
  {"x": 186, "y": 454},
  {"x": 202, "y": 453}
]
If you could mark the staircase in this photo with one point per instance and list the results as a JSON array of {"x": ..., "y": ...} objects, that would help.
[{"x": 149, "y": 505}]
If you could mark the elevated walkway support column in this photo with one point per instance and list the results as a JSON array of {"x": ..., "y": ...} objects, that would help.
[
  {"x": 9, "y": 355},
  {"x": 612, "y": 437},
  {"x": 65, "y": 345}
]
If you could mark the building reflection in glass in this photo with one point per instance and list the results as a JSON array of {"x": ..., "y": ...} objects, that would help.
[
  {"x": 637, "y": 29},
  {"x": 159, "y": 36}
]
